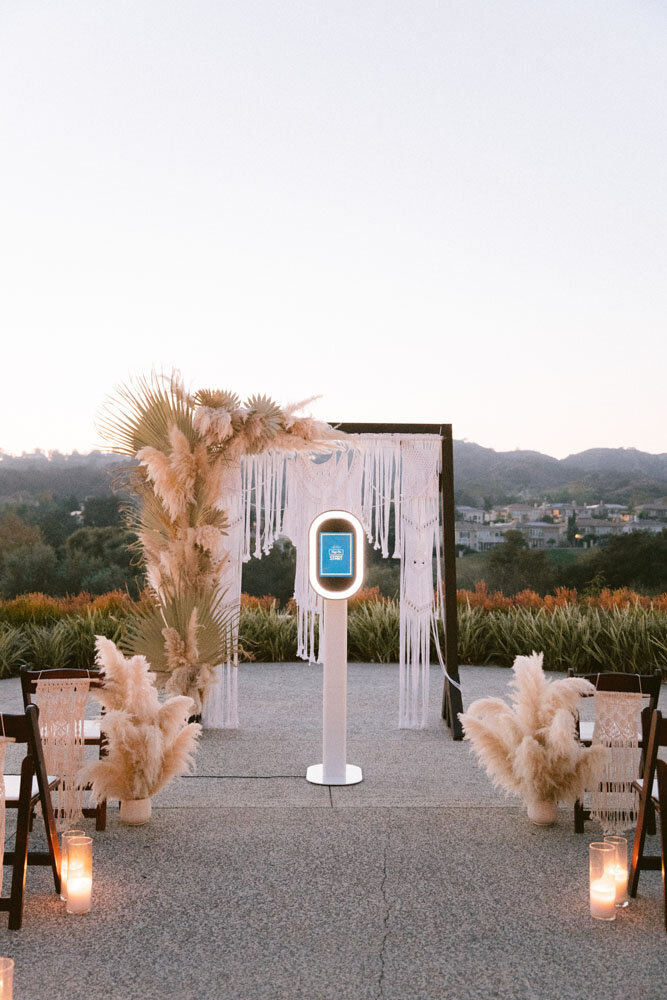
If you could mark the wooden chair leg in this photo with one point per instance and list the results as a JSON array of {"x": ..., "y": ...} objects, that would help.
[
  {"x": 578, "y": 817},
  {"x": 101, "y": 816},
  {"x": 663, "y": 844},
  {"x": 20, "y": 865},
  {"x": 638, "y": 844}
]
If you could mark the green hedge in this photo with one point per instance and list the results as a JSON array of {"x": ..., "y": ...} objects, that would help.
[{"x": 630, "y": 639}]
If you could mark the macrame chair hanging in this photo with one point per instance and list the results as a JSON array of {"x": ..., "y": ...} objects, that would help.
[
  {"x": 62, "y": 704},
  {"x": 617, "y": 725},
  {"x": 371, "y": 475}
]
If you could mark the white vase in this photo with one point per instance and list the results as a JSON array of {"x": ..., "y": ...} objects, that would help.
[
  {"x": 541, "y": 812},
  {"x": 135, "y": 811}
]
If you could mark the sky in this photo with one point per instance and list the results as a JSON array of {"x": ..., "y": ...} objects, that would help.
[{"x": 447, "y": 211}]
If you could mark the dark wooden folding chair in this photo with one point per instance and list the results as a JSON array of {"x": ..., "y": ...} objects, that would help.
[
  {"x": 648, "y": 787},
  {"x": 646, "y": 684},
  {"x": 22, "y": 792},
  {"x": 92, "y": 736}
]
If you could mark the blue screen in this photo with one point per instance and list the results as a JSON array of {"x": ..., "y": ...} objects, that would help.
[{"x": 336, "y": 553}]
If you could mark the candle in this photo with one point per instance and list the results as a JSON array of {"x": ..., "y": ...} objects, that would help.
[
  {"x": 618, "y": 868},
  {"x": 79, "y": 893},
  {"x": 602, "y": 898},
  {"x": 79, "y": 874},
  {"x": 6, "y": 978},
  {"x": 63, "y": 859}
]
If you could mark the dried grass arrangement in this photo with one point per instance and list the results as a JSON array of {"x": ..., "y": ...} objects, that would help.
[
  {"x": 148, "y": 743},
  {"x": 530, "y": 747},
  {"x": 186, "y": 443}
]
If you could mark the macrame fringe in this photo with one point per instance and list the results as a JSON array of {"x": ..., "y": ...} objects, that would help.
[
  {"x": 62, "y": 705},
  {"x": 614, "y": 804},
  {"x": 383, "y": 479}
]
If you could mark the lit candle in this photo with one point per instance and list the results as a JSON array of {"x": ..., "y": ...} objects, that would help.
[
  {"x": 602, "y": 898},
  {"x": 63, "y": 859},
  {"x": 618, "y": 868},
  {"x": 79, "y": 893},
  {"x": 6, "y": 978},
  {"x": 79, "y": 874}
]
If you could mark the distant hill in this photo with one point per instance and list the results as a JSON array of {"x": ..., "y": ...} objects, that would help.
[
  {"x": 27, "y": 477},
  {"x": 617, "y": 475}
]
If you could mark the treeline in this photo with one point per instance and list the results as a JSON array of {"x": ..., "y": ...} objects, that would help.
[{"x": 55, "y": 547}]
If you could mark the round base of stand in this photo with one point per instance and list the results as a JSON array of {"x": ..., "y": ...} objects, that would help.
[{"x": 315, "y": 775}]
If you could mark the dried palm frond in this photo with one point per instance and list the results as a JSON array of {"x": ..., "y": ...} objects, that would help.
[
  {"x": 147, "y": 743},
  {"x": 530, "y": 747},
  {"x": 143, "y": 413},
  {"x": 195, "y": 619}
]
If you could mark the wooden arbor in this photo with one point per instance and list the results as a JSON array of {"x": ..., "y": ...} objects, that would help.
[{"x": 452, "y": 703}]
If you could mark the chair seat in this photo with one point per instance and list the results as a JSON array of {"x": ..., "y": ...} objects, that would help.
[
  {"x": 13, "y": 786},
  {"x": 91, "y": 729},
  {"x": 586, "y": 731},
  {"x": 639, "y": 785}
]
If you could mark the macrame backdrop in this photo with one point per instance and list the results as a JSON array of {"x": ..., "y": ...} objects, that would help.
[
  {"x": 3, "y": 747},
  {"x": 62, "y": 703},
  {"x": 376, "y": 477},
  {"x": 617, "y": 724}
]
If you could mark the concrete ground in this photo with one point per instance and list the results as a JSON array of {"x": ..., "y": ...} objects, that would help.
[{"x": 421, "y": 883}]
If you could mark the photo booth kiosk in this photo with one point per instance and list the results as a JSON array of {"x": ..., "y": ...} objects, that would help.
[{"x": 336, "y": 572}]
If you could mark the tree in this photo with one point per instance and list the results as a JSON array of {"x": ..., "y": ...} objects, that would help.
[
  {"x": 514, "y": 567},
  {"x": 15, "y": 533},
  {"x": 101, "y": 512},
  {"x": 637, "y": 560}
]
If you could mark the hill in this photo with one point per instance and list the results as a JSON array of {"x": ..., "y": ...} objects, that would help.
[{"x": 617, "y": 475}]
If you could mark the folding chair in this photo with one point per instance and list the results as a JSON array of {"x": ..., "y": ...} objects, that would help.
[
  {"x": 646, "y": 684},
  {"x": 22, "y": 792},
  {"x": 92, "y": 735},
  {"x": 650, "y": 800}
]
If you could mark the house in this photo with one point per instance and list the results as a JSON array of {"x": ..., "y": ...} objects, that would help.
[
  {"x": 480, "y": 537},
  {"x": 475, "y": 514},
  {"x": 542, "y": 534},
  {"x": 655, "y": 527},
  {"x": 523, "y": 511},
  {"x": 656, "y": 510}
]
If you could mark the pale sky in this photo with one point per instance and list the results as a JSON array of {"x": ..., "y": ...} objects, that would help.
[{"x": 422, "y": 211}]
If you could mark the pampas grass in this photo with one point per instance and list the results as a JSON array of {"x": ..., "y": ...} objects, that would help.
[
  {"x": 530, "y": 747},
  {"x": 148, "y": 743},
  {"x": 187, "y": 445}
]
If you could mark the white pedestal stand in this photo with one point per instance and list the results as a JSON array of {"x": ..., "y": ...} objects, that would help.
[{"x": 334, "y": 769}]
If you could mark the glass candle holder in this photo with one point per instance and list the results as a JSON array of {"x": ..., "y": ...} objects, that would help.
[
  {"x": 63, "y": 858},
  {"x": 602, "y": 889},
  {"x": 6, "y": 978},
  {"x": 80, "y": 874},
  {"x": 619, "y": 867}
]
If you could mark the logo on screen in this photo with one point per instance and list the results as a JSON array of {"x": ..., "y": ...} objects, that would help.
[{"x": 336, "y": 553}]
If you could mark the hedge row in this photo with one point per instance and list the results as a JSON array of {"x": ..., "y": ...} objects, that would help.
[{"x": 630, "y": 638}]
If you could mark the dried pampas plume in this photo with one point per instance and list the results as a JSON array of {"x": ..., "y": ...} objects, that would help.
[
  {"x": 148, "y": 742},
  {"x": 530, "y": 747},
  {"x": 186, "y": 444}
]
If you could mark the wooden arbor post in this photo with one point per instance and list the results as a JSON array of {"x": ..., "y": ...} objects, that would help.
[{"x": 452, "y": 702}]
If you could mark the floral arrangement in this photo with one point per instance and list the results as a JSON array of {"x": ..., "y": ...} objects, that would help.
[
  {"x": 186, "y": 444},
  {"x": 530, "y": 748},
  {"x": 148, "y": 743}
]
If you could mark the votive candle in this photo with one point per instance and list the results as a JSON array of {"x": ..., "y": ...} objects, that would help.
[
  {"x": 63, "y": 859},
  {"x": 619, "y": 867},
  {"x": 6, "y": 978},
  {"x": 602, "y": 892},
  {"x": 79, "y": 874}
]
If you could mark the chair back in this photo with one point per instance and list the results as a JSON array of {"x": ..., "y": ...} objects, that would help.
[
  {"x": 654, "y": 732},
  {"x": 646, "y": 684},
  {"x": 22, "y": 728},
  {"x": 30, "y": 677}
]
